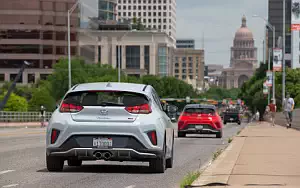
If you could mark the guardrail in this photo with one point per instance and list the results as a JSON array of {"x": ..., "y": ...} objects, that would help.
[{"x": 22, "y": 116}]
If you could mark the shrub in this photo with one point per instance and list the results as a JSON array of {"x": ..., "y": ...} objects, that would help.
[{"x": 15, "y": 103}]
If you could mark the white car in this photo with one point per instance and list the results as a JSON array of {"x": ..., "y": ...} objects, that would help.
[{"x": 112, "y": 122}]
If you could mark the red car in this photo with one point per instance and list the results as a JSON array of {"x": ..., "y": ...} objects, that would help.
[{"x": 200, "y": 119}]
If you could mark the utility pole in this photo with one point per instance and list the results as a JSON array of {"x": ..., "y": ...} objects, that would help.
[
  {"x": 13, "y": 85},
  {"x": 283, "y": 54}
]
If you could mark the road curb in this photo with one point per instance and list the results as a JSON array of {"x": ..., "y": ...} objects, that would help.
[{"x": 207, "y": 169}]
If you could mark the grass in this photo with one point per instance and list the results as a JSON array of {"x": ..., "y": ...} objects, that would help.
[
  {"x": 230, "y": 140},
  {"x": 189, "y": 179},
  {"x": 216, "y": 154}
]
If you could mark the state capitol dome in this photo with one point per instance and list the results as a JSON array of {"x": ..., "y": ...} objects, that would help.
[{"x": 243, "y": 33}]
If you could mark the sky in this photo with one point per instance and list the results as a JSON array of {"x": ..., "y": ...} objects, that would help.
[{"x": 219, "y": 20}]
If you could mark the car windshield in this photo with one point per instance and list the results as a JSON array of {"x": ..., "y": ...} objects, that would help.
[
  {"x": 199, "y": 111},
  {"x": 105, "y": 98}
]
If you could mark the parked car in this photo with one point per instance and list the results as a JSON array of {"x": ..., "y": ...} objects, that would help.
[
  {"x": 232, "y": 116},
  {"x": 111, "y": 122},
  {"x": 201, "y": 119}
]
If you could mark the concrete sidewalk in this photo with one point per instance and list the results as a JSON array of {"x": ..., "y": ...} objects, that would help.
[{"x": 260, "y": 156}]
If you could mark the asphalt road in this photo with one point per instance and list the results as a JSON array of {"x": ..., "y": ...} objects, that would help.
[{"x": 22, "y": 163}]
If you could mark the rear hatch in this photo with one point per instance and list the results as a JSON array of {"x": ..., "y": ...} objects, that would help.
[
  {"x": 105, "y": 106},
  {"x": 199, "y": 114}
]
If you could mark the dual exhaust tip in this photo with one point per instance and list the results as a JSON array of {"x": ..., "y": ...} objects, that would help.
[{"x": 102, "y": 155}]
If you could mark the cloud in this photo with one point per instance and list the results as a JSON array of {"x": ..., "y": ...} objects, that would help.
[{"x": 219, "y": 20}]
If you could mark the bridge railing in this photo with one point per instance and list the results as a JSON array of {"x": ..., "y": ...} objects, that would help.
[{"x": 22, "y": 116}]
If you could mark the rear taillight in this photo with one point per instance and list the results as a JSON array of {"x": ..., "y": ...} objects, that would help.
[
  {"x": 152, "y": 137},
  {"x": 140, "y": 109},
  {"x": 180, "y": 124},
  {"x": 54, "y": 135},
  {"x": 73, "y": 108}
]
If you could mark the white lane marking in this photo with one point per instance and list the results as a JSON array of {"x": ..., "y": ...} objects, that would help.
[
  {"x": 6, "y": 171},
  {"x": 11, "y": 185},
  {"x": 131, "y": 186}
]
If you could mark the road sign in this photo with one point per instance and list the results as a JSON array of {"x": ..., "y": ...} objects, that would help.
[
  {"x": 277, "y": 59},
  {"x": 265, "y": 88},
  {"x": 269, "y": 78}
]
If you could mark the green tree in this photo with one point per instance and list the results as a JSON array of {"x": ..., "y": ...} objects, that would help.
[
  {"x": 41, "y": 96},
  {"x": 15, "y": 103}
]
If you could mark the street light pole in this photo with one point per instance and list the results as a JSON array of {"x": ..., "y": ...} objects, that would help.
[
  {"x": 70, "y": 11},
  {"x": 273, "y": 84},
  {"x": 283, "y": 54}
]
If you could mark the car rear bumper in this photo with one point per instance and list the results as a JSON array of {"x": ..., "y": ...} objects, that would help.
[
  {"x": 207, "y": 129},
  {"x": 115, "y": 154}
]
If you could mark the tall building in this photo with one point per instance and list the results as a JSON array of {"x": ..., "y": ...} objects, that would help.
[
  {"x": 36, "y": 31},
  {"x": 141, "y": 52},
  {"x": 185, "y": 43},
  {"x": 155, "y": 14},
  {"x": 275, "y": 15},
  {"x": 107, "y": 9},
  {"x": 189, "y": 66},
  {"x": 243, "y": 59}
]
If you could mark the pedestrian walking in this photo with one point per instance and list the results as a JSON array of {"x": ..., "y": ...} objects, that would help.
[
  {"x": 272, "y": 110},
  {"x": 288, "y": 105},
  {"x": 43, "y": 115}
]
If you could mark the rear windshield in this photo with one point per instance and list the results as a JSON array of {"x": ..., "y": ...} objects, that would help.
[
  {"x": 105, "y": 98},
  {"x": 199, "y": 110}
]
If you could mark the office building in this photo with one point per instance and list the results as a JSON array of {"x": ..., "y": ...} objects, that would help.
[
  {"x": 35, "y": 31},
  {"x": 275, "y": 16},
  {"x": 185, "y": 43},
  {"x": 141, "y": 52},
  {"x": 154, "y": 14},
  {"x": 189, "y": 66}
]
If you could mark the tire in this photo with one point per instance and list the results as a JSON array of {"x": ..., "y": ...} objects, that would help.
[
  {"x": 239, "y": 123},
  {"x": 181, "y": 134},
  {"x": 219, "y": 134},
  {"x": 170, "y": 161},
  {"x": 54, "y": 164},
  {"x": 158, "y": 165},
  {"x": 74, "y": 162},
  {"x": 224, "y": 122}
]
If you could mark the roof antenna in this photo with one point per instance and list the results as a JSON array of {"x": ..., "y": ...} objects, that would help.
[{"x": 108, "y": 84}]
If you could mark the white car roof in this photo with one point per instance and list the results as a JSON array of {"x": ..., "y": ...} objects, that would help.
[{"x": 107, "y": 86}]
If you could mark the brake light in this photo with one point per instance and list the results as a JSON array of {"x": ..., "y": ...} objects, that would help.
[
  {"x": 140, "y": 109},
  {"x": 152, "y": 137},
  {"x": 72, "y": 108},
  {"x": 180, "y": 124},
  {"x": 54, "y": 135}
]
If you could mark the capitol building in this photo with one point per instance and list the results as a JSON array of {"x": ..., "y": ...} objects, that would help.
[{"x": 243, "y": 61}]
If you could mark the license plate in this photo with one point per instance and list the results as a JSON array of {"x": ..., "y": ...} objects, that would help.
[
  {"x": 199, "y": 127},
  {"x": 102, "y": 142}
]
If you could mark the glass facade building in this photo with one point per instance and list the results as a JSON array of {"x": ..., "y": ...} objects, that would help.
[
  {"x": 107, "y": 9},
  {"x": 162, "y": 61}
]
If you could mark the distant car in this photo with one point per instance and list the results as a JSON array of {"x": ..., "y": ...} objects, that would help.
[
  {"x": 111, "y": 122},
  {"x": 201, "y": 119},
  {"x": 232, "y": 116}
]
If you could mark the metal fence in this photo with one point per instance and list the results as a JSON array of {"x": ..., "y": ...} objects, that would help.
[{"x": 22, "y": 116}]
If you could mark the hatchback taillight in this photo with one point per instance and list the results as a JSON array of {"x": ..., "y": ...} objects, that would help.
[
  {"x": 54, "y": 135},
  {"x": 140, "y": 109},
  {"x": 72, "y": 108},
  {"x": 180, "y": 124},
  {"x": 152, "y": 136}
]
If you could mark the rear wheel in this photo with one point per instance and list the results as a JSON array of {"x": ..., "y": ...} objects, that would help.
[
  {"x": 158, "y": 165},
  {"x": 181, "y": 134},
  {"x": 54, "y": 164},
  {"x": 170, "y": 161},
  {"x": 74, "y": 162},
  {"x": 239, "y": 123},
  {"x": 219, "y": 134},
  {"x": 224, "y": 122}
]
